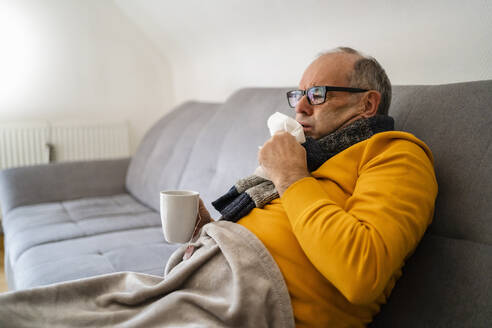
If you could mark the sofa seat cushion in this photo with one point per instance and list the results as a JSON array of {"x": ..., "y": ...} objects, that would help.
[{"x": 53, "y": 242}]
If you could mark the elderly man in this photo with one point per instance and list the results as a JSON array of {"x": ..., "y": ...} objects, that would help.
[{"x": 340, "y": 229}]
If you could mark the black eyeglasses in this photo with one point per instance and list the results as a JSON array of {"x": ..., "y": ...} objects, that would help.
[{"x": 316, "y": 95}]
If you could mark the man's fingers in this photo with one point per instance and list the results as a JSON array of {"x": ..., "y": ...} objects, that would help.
[
  {"x": 202, "y": 210},
  {"x": 202, "y": 218}
]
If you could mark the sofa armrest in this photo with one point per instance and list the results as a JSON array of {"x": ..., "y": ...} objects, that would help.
[{"x": 61, "y": 181}]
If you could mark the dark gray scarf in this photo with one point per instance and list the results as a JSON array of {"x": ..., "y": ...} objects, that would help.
[{"x": 255, "y": 191}]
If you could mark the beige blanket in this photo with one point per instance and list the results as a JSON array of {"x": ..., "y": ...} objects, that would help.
[{"x": 230, "y": 281}]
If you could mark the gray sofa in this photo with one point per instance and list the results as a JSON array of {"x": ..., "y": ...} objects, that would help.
[{"x": 73, "y": 220}]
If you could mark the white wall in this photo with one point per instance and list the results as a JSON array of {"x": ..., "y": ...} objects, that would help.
[
  {"x": 79, "y": 60},
  {"x": 217, "y": 46},
  {"x": 133, "y": 60}
]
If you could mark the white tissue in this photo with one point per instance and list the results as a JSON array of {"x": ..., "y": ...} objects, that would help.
[{"x": 281, "y": 122}]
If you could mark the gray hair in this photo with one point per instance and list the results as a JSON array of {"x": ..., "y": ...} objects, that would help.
[{"x": 368, "y": 74}]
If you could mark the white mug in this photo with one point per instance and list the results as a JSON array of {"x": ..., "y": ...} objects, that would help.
[{"x": 179, "y": 210}]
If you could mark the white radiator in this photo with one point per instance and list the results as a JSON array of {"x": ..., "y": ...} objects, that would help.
[
  {"x": 23, "y": 144},
  {"x": 43, "y": 142}
]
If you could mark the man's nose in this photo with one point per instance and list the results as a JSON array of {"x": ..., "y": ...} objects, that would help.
[{"x": 304, "y": 107}]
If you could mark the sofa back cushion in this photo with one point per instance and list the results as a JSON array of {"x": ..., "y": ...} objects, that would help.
[
  {"x": 204, "y": 147},
  {"x": 161, "y": 157},
  {"x": 446, "y": 283},
  {"x": 455, "y": 121}
]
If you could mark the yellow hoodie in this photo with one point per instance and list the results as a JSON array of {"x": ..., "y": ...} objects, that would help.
[{"x": 340, "y": 237}]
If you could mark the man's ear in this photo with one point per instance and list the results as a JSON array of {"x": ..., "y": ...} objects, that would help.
[{"x": 370, "y": 103}]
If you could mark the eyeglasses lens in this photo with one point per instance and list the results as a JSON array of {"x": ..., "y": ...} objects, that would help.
[
  {"x": 294, "y": 97},
  {"x": 316, "y": 95}
]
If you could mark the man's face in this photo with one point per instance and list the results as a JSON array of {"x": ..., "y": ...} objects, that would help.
[{"x": 340, "y": 108}]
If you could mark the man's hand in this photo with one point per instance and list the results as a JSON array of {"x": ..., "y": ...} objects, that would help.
[
  {"x": 284, "y": 160},
  {"x": 205, "y": 218}
]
